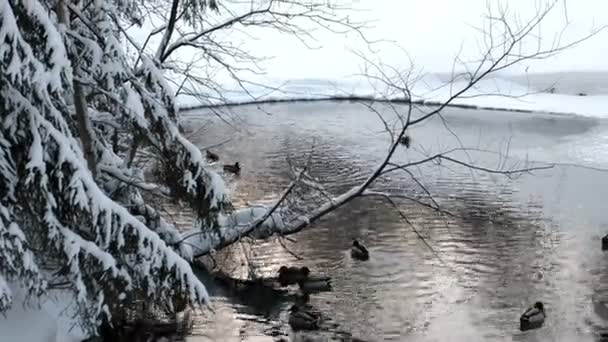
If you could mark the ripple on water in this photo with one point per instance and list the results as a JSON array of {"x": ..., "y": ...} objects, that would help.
[{"x": 503, "y": 250}]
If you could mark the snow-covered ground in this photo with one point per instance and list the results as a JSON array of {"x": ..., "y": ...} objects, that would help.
[
  {"x": 507, "y": 93},
  {"x": 528, "y": 93},
  {"x": 51, "y": 322}
]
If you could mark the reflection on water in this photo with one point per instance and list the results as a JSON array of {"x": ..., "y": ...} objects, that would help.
[{"x": 517, "y": 241}]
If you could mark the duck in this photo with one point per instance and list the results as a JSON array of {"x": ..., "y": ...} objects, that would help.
[
  {"x": 405, "y": 140},
  {"x": 292, "y": 275},
  {"x": 302, "y": 319},
  {"x": 236, "y": 168},
  {"x": 605, "y": 243},
  {"x": 358, "y": 251},
  {"x": 212, "y": 156},
  {"x": 533, "y": 318},
  {"x": 601, "y": 308},
  {"x": 315, "y": 284}
]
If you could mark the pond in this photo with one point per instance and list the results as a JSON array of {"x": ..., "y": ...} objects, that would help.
[{"x": 515, "y": 240}]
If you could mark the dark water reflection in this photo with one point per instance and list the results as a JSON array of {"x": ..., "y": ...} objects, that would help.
[{"x": 532, "y": 238}]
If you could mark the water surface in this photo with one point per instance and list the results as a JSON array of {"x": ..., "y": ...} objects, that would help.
[{"x": 535, "y": 237}]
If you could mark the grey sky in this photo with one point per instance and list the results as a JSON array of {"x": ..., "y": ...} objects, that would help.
[{"x": 432, "y": 32}]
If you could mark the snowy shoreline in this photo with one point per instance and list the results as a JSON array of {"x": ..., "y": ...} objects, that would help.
[
  {"x": 496, "y": 94},
  {"x": 192, "y": 108}
]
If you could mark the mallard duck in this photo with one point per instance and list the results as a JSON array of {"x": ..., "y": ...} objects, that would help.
[
  {"x": 302, "y": 319},
  {"x": 314, "y": 284},
  {"x": 605, "y": 243},
  {"x": 359, "y": 252},
  {"x": 533, "y": 318},
  {"x": 212, "y": 156},
  {"x": 236, "y": 168},
  {"x": 405, "y": 140},
  {"x": 292, "y": 275},
  {"x": 601, "y": 308}
]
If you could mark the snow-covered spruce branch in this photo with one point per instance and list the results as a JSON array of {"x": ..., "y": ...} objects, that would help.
[
  {"x": 76, "y": 208},
  {"x": 60, "y": 225},
  {"x": 134, "y": 181},
  {"x": 87, "y": 135}
]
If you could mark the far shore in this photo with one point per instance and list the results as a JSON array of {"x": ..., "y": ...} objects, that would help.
[{"x": 367, "y": 99}]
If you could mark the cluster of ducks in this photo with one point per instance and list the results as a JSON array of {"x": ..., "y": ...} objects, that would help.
[
  {"x": 213, "y": 157},
  {"x": 301, "y": 316},
  {"x": 301, "y": 276}
]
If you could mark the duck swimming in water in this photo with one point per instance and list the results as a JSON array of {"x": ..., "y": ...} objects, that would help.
[
  {"x": 236, "y": 168},
  {"x": 302, "y": 319},
  {"x": 212, "y": 156},
  {"x": 358, "y": 251},
  {"x": 292, "y": 275},
  {"x": 315, "y": 284},
  {"x": 533, "y": 318}
]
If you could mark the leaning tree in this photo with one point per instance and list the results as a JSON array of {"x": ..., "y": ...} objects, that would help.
[{"x": 80, "y": 99}]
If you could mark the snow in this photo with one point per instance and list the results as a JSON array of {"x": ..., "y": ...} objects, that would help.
[
  {"x": 497, "y": 92},
  {"x": 51, "y": 322},
  {"x": 134, "y": 104},
  {"x": 54, "y": 319},
  {"x": 218, "y": 186},
  {"x": 20, "y": 70},
  {"x": 84, "y": 190},
  {"x": 232, "y": 226},
  {"x": 240, "y": 222},
  {"x": 511, "y": 95},
  {"x": 425, "y": 88},
  {"x": 5, "y": 293},
  {"x": 276, "y": 88}
]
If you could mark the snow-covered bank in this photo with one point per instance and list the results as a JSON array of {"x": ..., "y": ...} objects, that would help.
[
  {"x": 494, "y": 93},
  {"x": 51, "y": 322},
  {"x": 503, "y": 93}
]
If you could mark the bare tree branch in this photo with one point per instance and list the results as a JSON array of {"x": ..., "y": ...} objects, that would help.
[{"x": 504, "y": 47}]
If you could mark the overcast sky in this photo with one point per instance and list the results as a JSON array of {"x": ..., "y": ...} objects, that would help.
[{"x": 432, "y": 31}]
